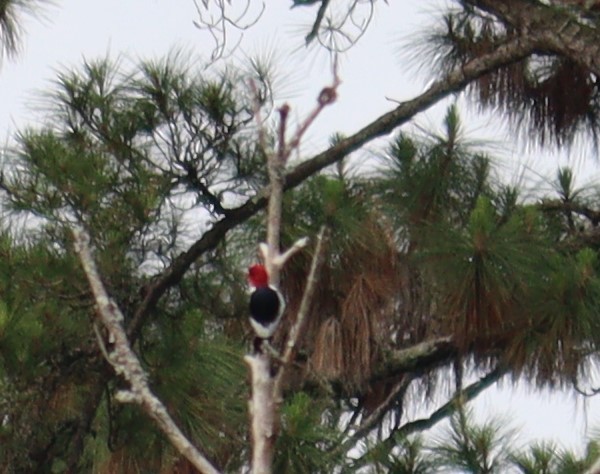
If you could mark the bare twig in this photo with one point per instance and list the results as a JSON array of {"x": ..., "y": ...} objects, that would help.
[
  {"x": 342, "y": 32},
  {"x": 327, "y": 96},
  {"x": 126, "y": 363},
  {"x": 307, "y": 297},
  {"x": 217, "y": 17}
]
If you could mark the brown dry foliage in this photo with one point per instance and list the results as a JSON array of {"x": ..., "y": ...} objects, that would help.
[
  {"x": 554, "y": 98},
  {"x": 351, "y": 320},
  {"x": 549, "y": 98}
]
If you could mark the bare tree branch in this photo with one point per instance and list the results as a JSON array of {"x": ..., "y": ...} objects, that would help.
[
  {"x": 559, "y": 34},
  {"x": 264, "y": 423},
  {"x": 126, "y": 363},
  {"x": 307, "y": 297},
  {"x": 276, "y": 163},
  {"x": 265, "y": 393}
]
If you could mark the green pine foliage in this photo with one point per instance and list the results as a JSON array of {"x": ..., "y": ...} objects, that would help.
[
  {"x": 430, "y": 246},
  {"x": 306, "y": 439},
  {"x": 464, "y": 446},
  {"x": 129, "y": 154},
  {"x": 410, "y": 456},
  {"x": 472, "y": 448},
  {"x": 531, "y": 93},
  {"x": 11, "y": 23}
]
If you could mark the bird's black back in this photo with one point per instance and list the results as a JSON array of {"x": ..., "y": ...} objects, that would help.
[{"x": 264, "y": 305}]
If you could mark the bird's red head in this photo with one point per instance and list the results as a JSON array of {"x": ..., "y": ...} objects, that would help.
[{"x": 258, "y": 276}]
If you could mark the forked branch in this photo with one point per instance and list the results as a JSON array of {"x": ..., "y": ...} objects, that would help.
[{"x": 265, "y": 391}]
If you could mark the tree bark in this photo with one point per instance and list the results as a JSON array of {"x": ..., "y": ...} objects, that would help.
[
  {"x": 552, "y": 28},
  {"x": 126, "y": 363},
  {"x": 263, "y": 416}
]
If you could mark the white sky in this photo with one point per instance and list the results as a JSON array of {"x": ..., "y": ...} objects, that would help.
[{"x": 372, "y": 71}]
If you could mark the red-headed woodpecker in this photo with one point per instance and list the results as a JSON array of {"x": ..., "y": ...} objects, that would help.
[{"x": 266, "y": 303}]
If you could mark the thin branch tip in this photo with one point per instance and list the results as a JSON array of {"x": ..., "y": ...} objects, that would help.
[{"x": 300, "y": 244}]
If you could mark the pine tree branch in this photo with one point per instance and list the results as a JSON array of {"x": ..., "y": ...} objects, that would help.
[
  {"x": 555, "y": 31},
  {"x": 371, "y": 421},
  {"x": 559, "y": 205},
  {"x": 424, "y": 354},
  {"x": 443, "y": 412},
  {"x": 409, "y": 362},
  {"x": 126, "y": 363},
  {"x": 412, "y": 362},
  {"x": 455, "y": 81},
  {"x": 449, "y": 407},
  {"x": 194, "y": 182}
]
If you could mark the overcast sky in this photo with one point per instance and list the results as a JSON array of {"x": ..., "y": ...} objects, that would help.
[{"x": 372, "y": 73}]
